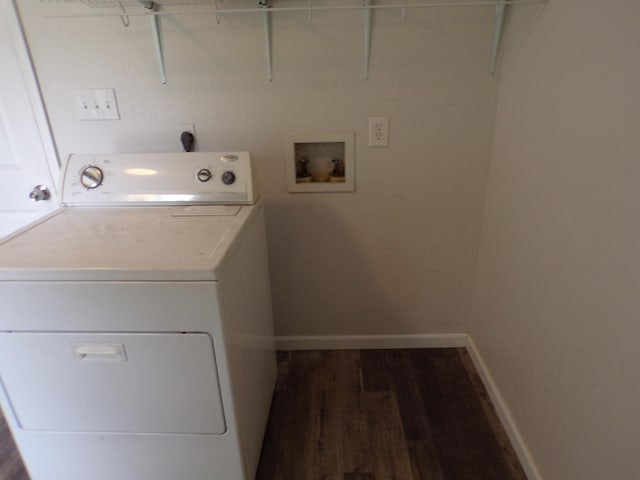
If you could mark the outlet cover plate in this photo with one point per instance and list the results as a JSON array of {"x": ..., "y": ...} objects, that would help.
[{"x": 379, "y": 131}]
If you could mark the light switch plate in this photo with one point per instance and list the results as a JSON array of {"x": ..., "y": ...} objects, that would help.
[{"x": 96, "y": 104}]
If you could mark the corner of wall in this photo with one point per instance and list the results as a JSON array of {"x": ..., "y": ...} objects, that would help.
[{"x": 504, "y": 414}]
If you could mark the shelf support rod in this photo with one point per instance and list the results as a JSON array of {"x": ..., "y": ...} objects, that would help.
[
  {"x": 266, "y": 21},
  {"x": 157, "y": 41},
  {"x": 367, "y": 37},
  {"x": 497, "y": 34}
]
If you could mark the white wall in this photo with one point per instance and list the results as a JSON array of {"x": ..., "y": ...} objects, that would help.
[
  {"x": 557, "y": 307},
  {"x": 398, "y": 255}
]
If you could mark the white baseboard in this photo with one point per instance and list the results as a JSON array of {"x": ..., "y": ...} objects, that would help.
[
  {"x": 503, "y": 412},
  {"x": 350, "y": 342}
]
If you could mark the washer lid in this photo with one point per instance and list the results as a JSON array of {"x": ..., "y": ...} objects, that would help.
[{"x": 184, "y": 243}]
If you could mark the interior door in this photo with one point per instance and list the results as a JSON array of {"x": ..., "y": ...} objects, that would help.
[{"x": 28, "y": 161}]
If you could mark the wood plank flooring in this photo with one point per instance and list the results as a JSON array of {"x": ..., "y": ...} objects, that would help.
[
  {"x": 418, "y": 414},
  {"x": 11, "y": 466},
  {"x": 371, "y": 415}
]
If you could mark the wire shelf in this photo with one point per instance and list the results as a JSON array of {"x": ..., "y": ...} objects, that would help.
[
  {"x": 266, "y": 8},
  {"x": 129, "y": 3}
]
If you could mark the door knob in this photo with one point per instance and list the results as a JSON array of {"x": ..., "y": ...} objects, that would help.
[{"x": 40, "y": 192}]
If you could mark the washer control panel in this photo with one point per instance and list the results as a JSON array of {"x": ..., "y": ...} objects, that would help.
[{"x": 159, "y": 178}]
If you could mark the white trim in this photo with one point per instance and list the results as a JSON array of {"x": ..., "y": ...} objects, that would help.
[
  {"x": 504, "y": 414},
  {"x": 350, "y": 342},
  {"x": 9, "y": 10}
]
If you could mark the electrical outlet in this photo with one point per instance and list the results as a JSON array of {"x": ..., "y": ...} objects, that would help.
[
  {"x": 379, "y": 131},
  {"x": 187, "y": 127},
  {"x": 96, "y": 104}
]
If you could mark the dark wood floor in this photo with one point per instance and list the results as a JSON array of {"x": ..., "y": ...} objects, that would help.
[
  {"x": 371, "y": 415},
  {"x": 11, "y": 466},
  {"x": 383, "y": 415}
]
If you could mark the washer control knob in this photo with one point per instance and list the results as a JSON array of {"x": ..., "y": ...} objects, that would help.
[
  {"x": 228, "y": 177},
  {"x": 91, "y": 177},
  {"x": 204, "y": 175}
]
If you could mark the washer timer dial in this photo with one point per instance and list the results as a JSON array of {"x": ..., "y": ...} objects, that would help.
[{"x": 91, "y": 177}]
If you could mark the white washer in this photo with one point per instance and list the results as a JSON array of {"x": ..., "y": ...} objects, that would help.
[{"x": 136, "y": 337}]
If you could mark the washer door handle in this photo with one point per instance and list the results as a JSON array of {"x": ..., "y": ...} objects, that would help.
[{"x": 102, "y": 352}]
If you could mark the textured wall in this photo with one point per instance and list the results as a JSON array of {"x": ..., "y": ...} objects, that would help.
[
  {"x": 556, "y": 310},
  {"x": 396, "y": 256}
]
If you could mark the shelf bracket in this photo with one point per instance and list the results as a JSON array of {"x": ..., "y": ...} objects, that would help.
[
  {"x": 367, "y": 37},
  {"x": 497, "y": 34},
  {"x": 266, "y": 21},
  {"x": 157, "y": 41}
]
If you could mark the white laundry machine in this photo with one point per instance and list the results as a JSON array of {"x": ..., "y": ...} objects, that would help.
[{"x": 136, "y": 337}]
